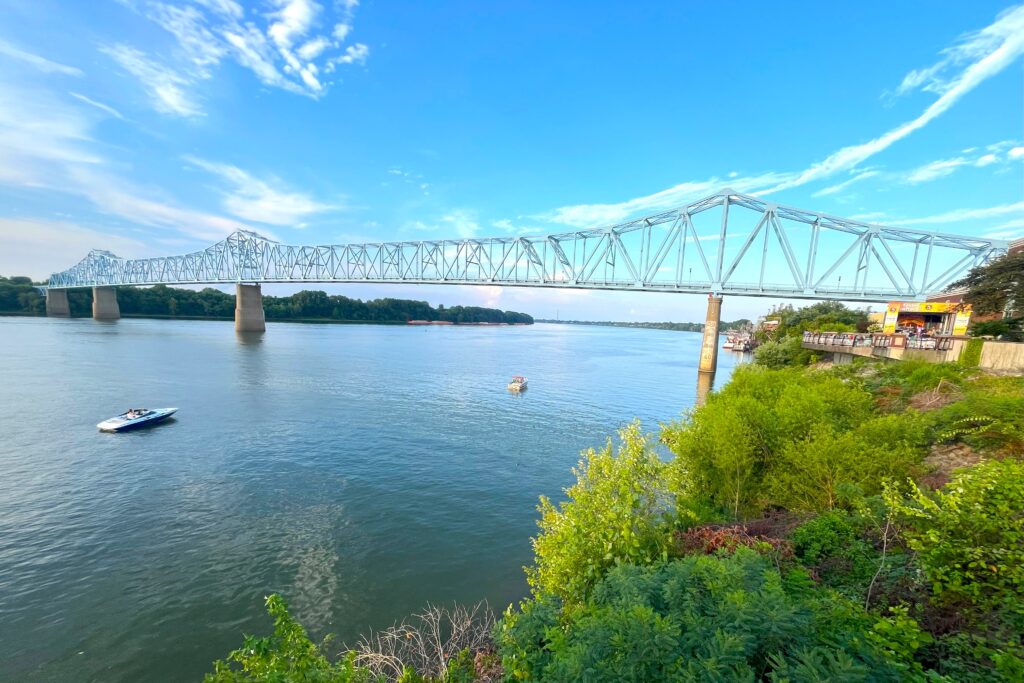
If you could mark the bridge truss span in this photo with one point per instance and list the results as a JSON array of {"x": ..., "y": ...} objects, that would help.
[{"x": 727, "y": 243}]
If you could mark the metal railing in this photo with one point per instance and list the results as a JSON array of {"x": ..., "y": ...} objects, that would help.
[{"x": 876, "y": 340}]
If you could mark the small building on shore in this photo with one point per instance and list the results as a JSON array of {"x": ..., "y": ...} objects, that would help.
[{"x": 948, "y": 317}]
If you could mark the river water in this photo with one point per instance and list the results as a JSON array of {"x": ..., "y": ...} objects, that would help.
[{"x": 360, "y": 471}]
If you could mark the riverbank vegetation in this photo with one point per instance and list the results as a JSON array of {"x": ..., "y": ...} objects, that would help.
[
  {"x": 18, "y": 296},
  {"x": 781, "y": 345},
  {"x": 857, "y": 523}
]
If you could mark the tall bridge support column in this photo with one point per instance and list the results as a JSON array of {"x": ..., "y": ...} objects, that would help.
[
  {"x": 249, "y": 316},
  {"x": 709, "y": 348},
  {"x": 57, "y": 305},
  {"x": 104, "y": 304}
]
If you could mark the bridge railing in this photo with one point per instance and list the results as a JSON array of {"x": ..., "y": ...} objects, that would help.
[{"x": 878, "y": 340}]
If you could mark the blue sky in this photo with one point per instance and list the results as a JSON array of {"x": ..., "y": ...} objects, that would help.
[{"x": 150, "y": 128}]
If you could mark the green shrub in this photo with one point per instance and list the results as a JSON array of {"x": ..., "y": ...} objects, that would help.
[
  {"x": 785, "y": 352},
  {"x": 613, "y": 515},
  {"x": 811, "y": 475},
  {"x": 728, "y": 450},
  {"x": 914, "y": 376},
  {"x": 970, "y": 356},
  {"x": 1007, "y": 329},
  {"x": 975, "y": 658},
  {"x": 825, "y": 536},
  {"x": 287, "y": 655},
  {"x": 700, "y": 618},
  {"x": 970, "y": 535},
  {"x": 990, "y": 417}
]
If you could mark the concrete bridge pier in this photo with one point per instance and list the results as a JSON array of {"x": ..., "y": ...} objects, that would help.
[
  {"x": 709, "y": 348},
  {"x": 249, "y": 316},
  {"x": 104, "y": 304},
  {"x": 57, "y": 305}
]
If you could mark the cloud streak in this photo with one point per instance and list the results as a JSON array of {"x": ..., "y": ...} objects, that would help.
[
  {"x": 976, "y": 58},
  {"x": 284, "y": 48},
  {"x": 253, "y": 199},
  {"x": 37, "y": 62}
]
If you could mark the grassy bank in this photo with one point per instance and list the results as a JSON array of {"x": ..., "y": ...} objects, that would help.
[{"x": 857, "y": 523}]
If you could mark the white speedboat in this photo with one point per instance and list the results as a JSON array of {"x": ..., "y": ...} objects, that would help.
[
  {"x": 517, "y": 384},
  {"x": 136, "y": 417}
]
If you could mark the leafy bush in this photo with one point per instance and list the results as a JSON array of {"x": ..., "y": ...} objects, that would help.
[
  {"x": 728, "y": 450},
  {"x": 1007, "y": 329},
  {"x": 784, "y": 352},
  {"x": 612, "y": 516},
  {"x": 914, "y": 376},
  {"x": 287, "y": 655},
  {"x": 970, "y": 535},
  {"x": 811, "y": 475},
  {"x": 701, "y": 618},
  {"x": 990, "y": 417}
]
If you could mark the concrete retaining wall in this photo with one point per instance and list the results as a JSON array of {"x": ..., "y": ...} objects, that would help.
[{"x": 996, "y": 355}]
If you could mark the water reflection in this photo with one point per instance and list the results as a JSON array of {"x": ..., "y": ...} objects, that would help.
[{"x": 249, "y": 338}]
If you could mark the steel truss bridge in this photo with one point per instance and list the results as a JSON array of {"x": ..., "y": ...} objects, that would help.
[{"x": 728, "y": 243}]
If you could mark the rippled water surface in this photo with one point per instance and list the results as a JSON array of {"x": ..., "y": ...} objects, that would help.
[{"x": 361, "y": 471}]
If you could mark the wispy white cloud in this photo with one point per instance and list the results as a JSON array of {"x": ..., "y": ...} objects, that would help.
[
  {"x": 38, "y": 247},
  {"x": 37, "y": 62},
  {"x": 977, "y": 57},
  {"x": 943, "y": 76},
  {"x": 39, "y": 136},
  {"x": 99, "y": 105},
  {"x": 463, "y": 221},
  {"x": 868, "y": 216},
  {"x": 1010, "y": 230},
  {"x": 259, "y": 200},
  {"x": 966, "y": 215},
  {"x": 1016, "y": 153},
  {"x": 460, "y": 222},
  {"x": 46, "y": 144},
  {"x": 168, "y": 90},
  {"x": 114, "y": 195},
  {"x": 290, "y": 47},
  {"x": 935, "y": 170},
  {"x": 835, "y": 189},
  {"x": 585, "y": 215},
  {"x": 945, "y": 167}
]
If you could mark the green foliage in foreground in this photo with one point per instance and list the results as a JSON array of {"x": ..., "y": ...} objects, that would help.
[
  {"x": 286, "y": 656},
  {"x": 781, "y": 438},
  {"x": 970, "y": 536},
  {"x": 612, "y": 516},
  {"x": 726, "y": 618}
]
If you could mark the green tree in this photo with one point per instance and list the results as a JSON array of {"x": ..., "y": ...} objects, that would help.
[{"x": 995, "y": 286}]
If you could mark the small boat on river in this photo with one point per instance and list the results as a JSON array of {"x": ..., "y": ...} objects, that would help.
[
  {"x": 517, "y": 384},
  {"x": 136, "y": 417}
]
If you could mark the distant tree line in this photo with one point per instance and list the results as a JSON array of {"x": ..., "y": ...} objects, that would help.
[
  {"x": 18, "y": 296},
  {"x": 678, "y": 327}
]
